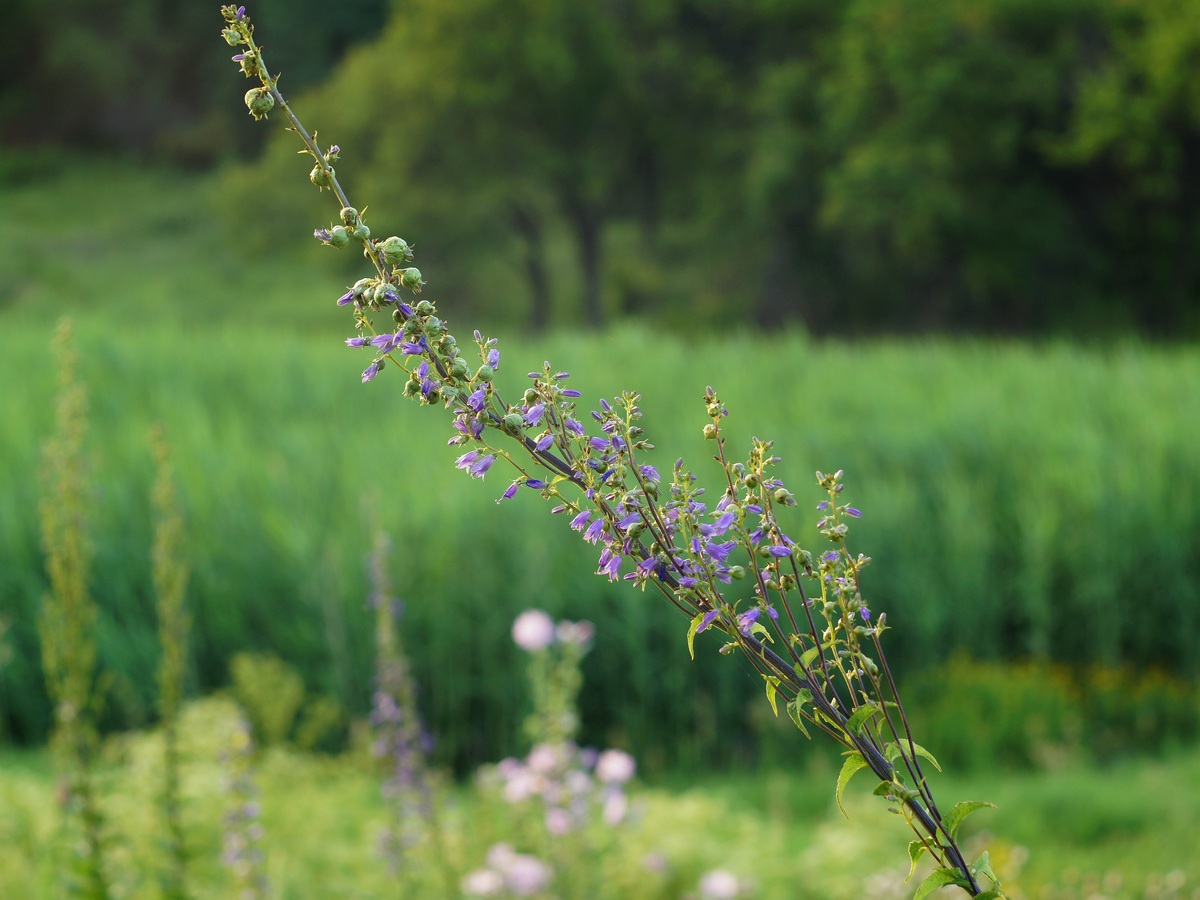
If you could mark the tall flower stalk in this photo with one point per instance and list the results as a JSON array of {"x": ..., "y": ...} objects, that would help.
[
  {"x": 170, "y": 573},
  {"x": 400, "y": 740},
  {"x": 68, "y": 619},
  {"x": 798, "y": 616}
]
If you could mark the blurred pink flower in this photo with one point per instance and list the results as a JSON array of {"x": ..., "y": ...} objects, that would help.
[
  {"x": 719, "y": 884},
  {"x": 533, "y": 630},
  {"x": 615, "y": 767}
]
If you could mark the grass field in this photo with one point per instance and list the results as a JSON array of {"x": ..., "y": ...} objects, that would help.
[
  {"x": 1122, "y": 832},
  {"x": 1022, "y": 500}
]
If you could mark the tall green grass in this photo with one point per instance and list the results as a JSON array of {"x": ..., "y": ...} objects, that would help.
[{"x": 1019, "y": 501}]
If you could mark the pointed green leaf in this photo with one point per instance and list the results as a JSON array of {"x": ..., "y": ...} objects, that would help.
[
  {"x": 960, "y": 812},
  {"x": 772, "y": 685},
  {"x": 895, "y": 748},
  {"x": 860, "y": 715},
  {"x": 793, "y": 708},
  {"x": 915, "y": 849},
  {"x": 990, "y": 895},
  {"x": 939, "y": 878},
  {"x": 854, "y": 762},
  {"x": 807, "y": 657},
  {"x": 696, "y": 620}
]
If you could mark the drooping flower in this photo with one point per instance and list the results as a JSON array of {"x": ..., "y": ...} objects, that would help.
[{"x": 371, "y": 371}]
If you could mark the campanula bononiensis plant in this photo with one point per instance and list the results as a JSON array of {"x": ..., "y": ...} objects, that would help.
[{"x": 728, "y": 565}]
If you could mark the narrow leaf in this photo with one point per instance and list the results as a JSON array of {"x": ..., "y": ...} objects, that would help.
[
  {"x": 807, "y": 657},
  {"x": 793, "y": 709},
  {"x": 915, "y": 849},
  {"x": 772, "y": 685},
  {"x": 860, "y": 715},
  {"x": 960, "y": 812},
  {"x": 696, "y": 620},
  {"x": 939, "y": 878},
  {"x": 854, "y": 762}
]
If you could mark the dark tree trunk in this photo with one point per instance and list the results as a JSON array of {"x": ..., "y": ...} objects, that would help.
[
  {"x": 529, "y": 227},
  {"x": 588, "y": 225}
]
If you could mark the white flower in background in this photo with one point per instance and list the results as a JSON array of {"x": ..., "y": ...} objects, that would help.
[
  {"x": 533, "y": 630},
  {"x": 615, "y": 767},
  {"x": 574, "y": 632},
  {"x": 483, "y": 883},
  {"x": 719, "y": 884}
]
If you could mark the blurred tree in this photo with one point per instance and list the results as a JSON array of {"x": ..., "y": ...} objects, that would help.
[
  {"x": 142, "y": 75},
  {"x": 1133, "y": 138}
]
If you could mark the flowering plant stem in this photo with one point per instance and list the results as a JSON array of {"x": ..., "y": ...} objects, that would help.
[{"x": 818, "y": 648}]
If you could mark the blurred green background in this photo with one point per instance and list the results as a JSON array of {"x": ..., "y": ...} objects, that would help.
[{"x": 950, "y": 247}]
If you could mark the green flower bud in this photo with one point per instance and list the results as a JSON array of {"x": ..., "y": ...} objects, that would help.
[
  {"x": 338, "y": 236},
  {"x": 349, "y": 215},
  {"x": 485, "y": 374},
  {"x": 531, "y": 396},
  {"x": 710, "y": 432},
  {"x": 751, "y": 480},
  {"x": 397, "y": 315},
  {"x": 784, "y": 496},
  {"x": 321, "y": 176},
  {"x": 424, "y": 308},
  {"x": 737, "y": 573},
  {"x": 459, "y": 368},
  {"x": 361, "y": 232},
  {"x": 260, "y": 102},
  {"x": 232, "y": 38},
  {"x": 396, "y": 252},
  {"x": 513, "y": 423},
  {"x": 411, "y": 279},
  {"x": 412, "y": 388}
]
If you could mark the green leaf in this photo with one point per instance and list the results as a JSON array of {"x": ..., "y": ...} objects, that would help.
[
  {"x": 990, "y": 895},
  {"x": 895, "y": 748},
  {"x": 939, "y": 878},
  {"x": 960, "y": 812},
  {"x": 860, "y": 715},
  {"x": 696, "y": 620},
  {"x": 915, "y": 849},
  {"x": 854, "y": 762},
  {"x": 772, "y": 685},
  {"x": 793, "y": 708},
  {"x": 806, "y": 658}
]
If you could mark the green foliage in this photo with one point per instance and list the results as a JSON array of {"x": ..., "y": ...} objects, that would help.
[
  {"x": 270, "y": 691},
  {"x": 974, "y": 546},
  {"x": 987, "y": 715}
]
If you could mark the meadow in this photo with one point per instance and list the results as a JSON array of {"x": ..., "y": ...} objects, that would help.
[{"x": 1023, "y": 502}]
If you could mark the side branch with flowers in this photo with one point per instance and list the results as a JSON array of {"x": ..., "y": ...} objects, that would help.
[{"x": 799, "y": 617}]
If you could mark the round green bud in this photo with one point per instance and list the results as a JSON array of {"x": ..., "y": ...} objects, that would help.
[
  {"x": 737, "y": 573},
  {"x": 531, "y": 396},
  {"x": 397, "y": 315},
  {"x": 751, "y": 480},
  {"x": 424, "y": 308},
  {"x": 710, "y": 432},
  {"x": 485, "y": 374},
  {"x": 361, "y": 232},
  {"x": 412, "y": 387},
  {"x": 232, "y": 38},
  {"x": 459, "y": 368},
  {"x": 395, "y": 251},
  {"x": 411, "y": 279},
  {"x": 321, "y": 176},
  {"x": 349, "y": 215},
  {"x": 260, "y": 102},
  {"x": 338, "y": 236},
  {"x": 513, "y": 422},
  {"x": 784, "y": 496}
]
